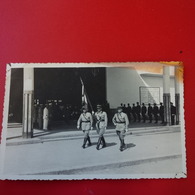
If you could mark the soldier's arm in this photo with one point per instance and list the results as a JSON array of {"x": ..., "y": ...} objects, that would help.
[
  {"x": 79, "y": 122},
  {"x": 114, "y": 119},
  {"x": 106, "y": 119},
  {"x": 91, "y": 119}
]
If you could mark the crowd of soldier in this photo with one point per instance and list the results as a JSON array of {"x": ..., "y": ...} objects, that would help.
[{"x": 138, "y": 112}]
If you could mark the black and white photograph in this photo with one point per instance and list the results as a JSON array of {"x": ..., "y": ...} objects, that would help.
[{"x": 93, "y": 121}]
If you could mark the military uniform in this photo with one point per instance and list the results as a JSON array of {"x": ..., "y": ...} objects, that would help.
[
  {"x": 161, "y": 111},
  {"x": 155, "y": 112},
  {"x": 129, "y": 112},
  {"x": 121, "y": 122},
  {"x": 101, "y": 125},
  {"x": 138, "y": 111},
  {"x": 144, "y": 110},
  {"x": 150, "y": 112},
  {"x": 134, "y": 113},
  {"x": 85, "y": 123}
]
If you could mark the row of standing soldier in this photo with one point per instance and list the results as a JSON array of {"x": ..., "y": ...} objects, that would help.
[{"x": 152, "y": 112}]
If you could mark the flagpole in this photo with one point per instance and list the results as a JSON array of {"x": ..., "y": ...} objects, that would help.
[{"x": 85, "y": 92}]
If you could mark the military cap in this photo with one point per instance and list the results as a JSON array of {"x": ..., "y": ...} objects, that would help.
[
  {"x": 99, "y": 106},
  {"x": 119, "y": 108}
]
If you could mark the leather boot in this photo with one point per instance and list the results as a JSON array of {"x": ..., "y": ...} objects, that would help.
[
  {"x": 84, "y": 142},
  {"x": 89, "y": 141},
  {"x": 122, "y": 145},
  {"x": 98, "y": 144},
  {"x": 103, "y": 142}
]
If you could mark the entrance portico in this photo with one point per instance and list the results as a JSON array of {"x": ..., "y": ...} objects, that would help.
[{"x": 30, "y": 86}]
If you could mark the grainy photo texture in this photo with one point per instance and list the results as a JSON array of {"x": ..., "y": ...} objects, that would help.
[{"x": 93, "y": 120}]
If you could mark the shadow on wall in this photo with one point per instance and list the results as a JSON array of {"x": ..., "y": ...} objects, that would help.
[{"x": 123, "y": 85}]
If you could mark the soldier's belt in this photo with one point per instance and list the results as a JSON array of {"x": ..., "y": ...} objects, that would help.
[
  {"x": 85, "y": 121},
  {"x": 120, "y": 122}
]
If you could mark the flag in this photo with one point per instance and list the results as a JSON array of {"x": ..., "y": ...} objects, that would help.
[{"x": 84, "y": 96}]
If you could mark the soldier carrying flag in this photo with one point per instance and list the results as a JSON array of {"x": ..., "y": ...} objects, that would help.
[{"x": 85, "y": 122}]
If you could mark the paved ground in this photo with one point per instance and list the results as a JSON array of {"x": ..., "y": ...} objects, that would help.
[{"x": 149, "y": 150}]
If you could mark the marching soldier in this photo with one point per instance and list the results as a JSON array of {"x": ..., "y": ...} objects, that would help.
[
  {"x": 144, "y": 112},
  {"x": 138, "y": 111},
  {"x": 101, "y": 125},
  {"x": 155, "y": 112},
  {"x": 161, "y": 111},
  {"x": 121, "y": 122},
  {"x": 85, "y": 121},
  {"x": 150, "y": 111},
  {"x": 134, "y": 113}
]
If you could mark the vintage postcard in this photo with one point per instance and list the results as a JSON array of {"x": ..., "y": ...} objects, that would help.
[{"x": 93, "y": 121}]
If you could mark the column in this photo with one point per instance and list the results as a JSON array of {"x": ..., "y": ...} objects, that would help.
[
  {"x": 177, "y": 94},
  {"x": 166, "y": 95},
  {"x": 28, "y": 98}
]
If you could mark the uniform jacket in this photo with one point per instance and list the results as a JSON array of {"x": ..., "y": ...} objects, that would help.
[
  {"x": 144, "y": 110},
  {"x": 101, "y": 117},
  {"x": 150, "y": 110},
  {"x": 155, "y": 110},
  {"x": 85, "y": 117},
  {"x": 121, "y": 118}
]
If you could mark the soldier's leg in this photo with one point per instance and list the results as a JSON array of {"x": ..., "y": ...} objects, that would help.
[
  {"x": 99, "y": 143},
  {"x": 101, "y": 134},
  {"x": 89, "y": 141},
  {"x": 103, "y": 142},
  {"x": 150, "y": 118},
  {"x": 122, "y": 137},
  {"x": 156, "y": 118},
  {"x": 86, "y": 134}
]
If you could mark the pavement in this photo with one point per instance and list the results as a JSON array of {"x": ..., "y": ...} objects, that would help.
[{"x": 149, "y": 150}]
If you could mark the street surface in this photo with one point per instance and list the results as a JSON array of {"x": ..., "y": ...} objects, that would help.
[{"x": 153, "y": 151}]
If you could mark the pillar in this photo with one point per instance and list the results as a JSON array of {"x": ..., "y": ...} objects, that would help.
[
  {"x": 166, "y": 95},
  {"x": 28, "y": 97},
  {"x": 177, "y": 94}
]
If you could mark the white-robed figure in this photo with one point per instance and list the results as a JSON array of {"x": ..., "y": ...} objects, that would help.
[
  {"x": 45, "y": 117},
  {"x": 121, "y": 122},
  {"x": 101, "y": 125},
  {"x": 85, "y": 122}
]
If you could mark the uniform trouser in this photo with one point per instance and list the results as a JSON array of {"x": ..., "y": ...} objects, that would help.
[
  {"x": 138, "y": 116},
  {"x": 86, "y": 128},
  {"x": 150, "y": 117},
  {"x": 120, "y": 131},
  {"x": 162, "y": 117},
  {"x": 86, "y": 133},
  {"x": 144, "y": 117},
  {"x": 100, "y": 129},
  {"x": 45, "y": 123},
  {"x": 156, "y": 117},
  {"x": 134, "y": 117},
  {"x": 129, "y": 116},
  {"x": 121, "y": 134}
]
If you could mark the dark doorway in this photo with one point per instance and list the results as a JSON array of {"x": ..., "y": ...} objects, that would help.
[{"x": 16, "y": 96}]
